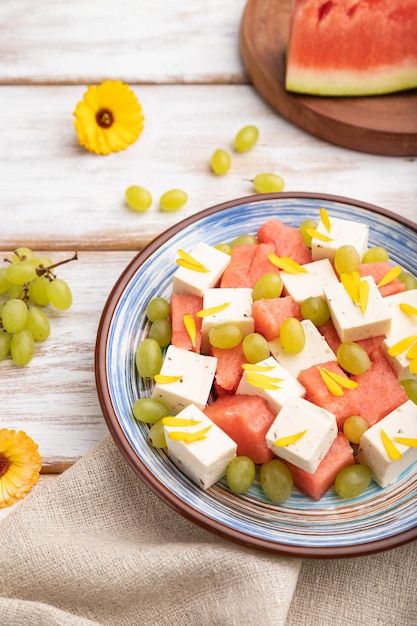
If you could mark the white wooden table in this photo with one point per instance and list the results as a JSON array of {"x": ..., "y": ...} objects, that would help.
[{"x": 182, "y": 60}]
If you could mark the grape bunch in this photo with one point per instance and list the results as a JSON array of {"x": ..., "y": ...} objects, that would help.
[{"x": 28, "y": 285}]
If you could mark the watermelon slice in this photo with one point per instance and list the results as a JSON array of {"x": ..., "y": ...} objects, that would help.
[
  {"x": 352, "y": 47},
  {"x": 185, "y": 304},
  {"x": 229, "y": 368}
]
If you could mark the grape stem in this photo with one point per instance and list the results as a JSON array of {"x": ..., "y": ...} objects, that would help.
[{"x": 40, "y": 271}]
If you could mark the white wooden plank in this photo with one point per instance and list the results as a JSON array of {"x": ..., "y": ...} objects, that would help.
[
  {"x": 54, "y": 194},
  {"x": 146, "y": 41}
]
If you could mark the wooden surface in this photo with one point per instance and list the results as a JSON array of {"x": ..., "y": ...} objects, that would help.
[
  {"x": 186, "y": 70},
  {"x": 380, "y": 125}
]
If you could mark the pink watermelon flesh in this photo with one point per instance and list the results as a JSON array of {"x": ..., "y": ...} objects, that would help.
[
  {"x": 287, "y": 240},
  {"x": 246, "y": 419},
  {"x": 236, "y": 273},
  {"x": 182, "y": 304},
  {"x": 352, "y": 47},
  {"x": 269, "y": 314},
  {"x": 378, "y": 270},
  {"x": 229, "y": 368}
]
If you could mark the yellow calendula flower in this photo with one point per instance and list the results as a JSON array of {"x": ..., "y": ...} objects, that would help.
[
  {"x": 20, "y": 465},
  {"x": 109, "y": 118}
]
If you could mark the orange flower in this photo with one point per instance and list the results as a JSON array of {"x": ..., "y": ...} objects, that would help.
[
  {"x": 109, "y": 118},
  {"x": 20, "y": 465}
]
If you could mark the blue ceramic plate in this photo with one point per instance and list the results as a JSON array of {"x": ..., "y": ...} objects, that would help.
[{"x": 377, "y": 520}]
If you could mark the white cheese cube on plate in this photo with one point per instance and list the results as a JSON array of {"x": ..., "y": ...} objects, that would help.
[
  {"x": 350, "y": 322},
  {"x": 400, "y": 363},
  {"x": 316, "y": 350},
  {"x": 205, "y": 460},
  {"x": 284, "y": 389},
  {"x": 238, "y": 311},
  {"x": 301, "y": 416},
  {"x": 304, "y": 285},
  {"x": 196, "y": 373},
  {"x": 190, "y": 281},
  {"x": 342, "y": 233},
  {"x": 402, "y": 422},
  {"x": 402, "y": 321}
]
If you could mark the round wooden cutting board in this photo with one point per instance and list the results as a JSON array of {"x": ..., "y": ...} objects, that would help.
[{"x": 384, "y": 125}]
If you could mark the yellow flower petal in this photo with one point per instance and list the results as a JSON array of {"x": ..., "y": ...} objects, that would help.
[
  {"x": 324, "y": 216},
  {"x": 411, "y": 442},
  {"x": 287, "y": 264},
  {"x": 212, "y": 310},
  {"x": 393, "y": 273},
  {"x": 189, "y": 262},
  {"x": 289, "y": 439},
  {"x": 363, "y": 295},
  {"x": 188, "y": 437},
  {"x": 402, "y": 345},
  {"x": 314, "y": 234},
  {"x": 412, "y": 352},
  {"x": 408, "y": 308},
  {"x": 263, "y": 382},
  {"x": 162, "y": 379},
  {"x": 254, "y": 367},
  {"x": 190, "y": 327},
  {"x": 20, "y": 465},
  {"x": 178, "y": 421},
  {"x": 390, "y": 447},
  {"x": 330, "y": 383}
]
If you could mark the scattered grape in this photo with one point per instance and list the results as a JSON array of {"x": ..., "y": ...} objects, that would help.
[
  {"x": 157, "y": 309},
  {"x": 225, "y": 335},
  {"x": 244, "y": 240},
  {"x": 224, "y": 247},
  {"x": 240, "y": 474},
  {"x": 4, "y": 344},
  {"x": 276, "y": 480},
  {"x": 353, "y": 358},
  {"x": 292, "y": 335},
  {"x": 20, "y": 272},
  {"x": 410, "y": 388},
  {"x": 148, "y": 358},
  {"x": 354, "y": 427},
  {"x": 304, "y": 226},
  {"x": 409, "y": 280},
  {"x": 255, "y": 348},
  {"x": 267, "y": 286},
  {"x": 156, "y": 435},
  {"x": 14, "y": 315},
  {"x": 377, "y": 253},
  {"x": 246, "y": 138},
  {"x": 138, "y": 198},
  {"x": 149, "y": 410},
  {"x": 38, "y": 290},
  {"x": 316, "y": 310},
  {"x": 22, "y": 347},
  {"x": 351, "y": 481},
  {"x": 38, "y": 324},
  {"x": 268, "y": 183},
  {"x": 22, "y": 254},
  {"x": 346, "y": 259},
  {"x": 173, "y": 200},
  {"x": 160, "y": 330},
  {"x": 220, "y": 162},
  {"x": 59, "y": 294}
]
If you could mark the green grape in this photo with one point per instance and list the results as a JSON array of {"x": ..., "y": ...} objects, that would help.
[
  {"x": 246, "y": 138},
  {"x": 225, "y": 335},
  {"x": 292, "y": 335},
  {"x": 156, "y": 435},
  {"x": 353, "y": 358},
  {"x": 38, "y": 290},
  {"x": 20, "y": 272},
  {"x": 157, "y": 309},
  {"x": 149, "y": 410},
  {"x": 346, "y": 259},
  {"x": 354, "y": 427},
  {"x": 22, "y": 254},
  {"x": 224, "y": 247},
  {"x": 41, "y": 262},
  {"x": 22, "y": 347},
  {"x": 255, "y": 348},
  {"x": 148, "y": 358},
  {"x": 160, "y": 330},
  {"x": 4, "y": 344},
  {"x": 244, "y": 240},
  {"x": 138, "y": 198},
  {"x": 304, "y": 226},
  {"x": 410, "y": 388},
  {"x": 267, "y": 287},
  {"x": 377, "y": 253},
  {"x": 15, "y": 291},
  {"x": 38, "y": 324},
  {"x": 4, "y": 283},
  {"x": 316, "y": 310},
  {"x": 240, "y": 474},
  {"x": 276, "y": 480},
  {"x": 173, "y": 200},
  {"x": 14, "y": 315},
  {"x": 220, "y": 162},
  {"x": 409, "y": 280},
  {"x": 268, "y": 183},
  {"x": 351, "y": 481},
  {"x": 59, "y": 294}
]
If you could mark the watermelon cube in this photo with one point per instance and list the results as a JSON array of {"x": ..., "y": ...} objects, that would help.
[
  {"x": 377, "y": 270},
  {"x": 287, "y": 240},
  {"x": 229, "y": 368},
  {"x": 182, "y": 304},
  {"x": 270, "y": 313},
  {"x": 236, "y": 273}
]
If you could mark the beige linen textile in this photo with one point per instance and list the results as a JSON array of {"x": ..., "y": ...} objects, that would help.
[{"x": 98, "y": 548}]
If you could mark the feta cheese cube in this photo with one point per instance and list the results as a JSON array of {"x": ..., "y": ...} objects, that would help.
[
  {"x": 196, "y": 373},
  {"x": 304, "y": 285},
  {"x": 205, "y": 460},
  {"x": 238, "y": 311},
  {"x": 296, "y": 416},
  {"x": 400, "y": 363},
  {"x": 316, "y": 350},
  {"x": 350, "y": 322},
  {"x": 287, "y": 387},
  {"x": 187, "y": 280},
  {"x": 402, "y": 321},
  {"x": 402, "y": 422},
  {"x": 342, "y": 232}
]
